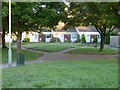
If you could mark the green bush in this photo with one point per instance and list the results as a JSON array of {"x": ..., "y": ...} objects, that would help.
[
  {"x": 95, "y": 39},
  {"x": 83, "y": 38},
  {"x": 27, "y": 39},
  {"x": 78, "y": 41},
  {"x": 53, "y": 40},
  {"x": 107, "y": 39}
]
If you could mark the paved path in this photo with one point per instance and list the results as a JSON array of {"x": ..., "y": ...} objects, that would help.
[{"x": 61, "y": 55}]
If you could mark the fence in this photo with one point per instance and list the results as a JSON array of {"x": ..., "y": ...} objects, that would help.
[{"x": 115, "y": 41}]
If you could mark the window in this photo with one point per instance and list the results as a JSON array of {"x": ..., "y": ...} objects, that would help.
[{"x": 74, "y": 35}]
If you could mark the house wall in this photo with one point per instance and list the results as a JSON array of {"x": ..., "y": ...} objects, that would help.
[
  {"x": 46, "y": 37},
  {"x": 6, "y": 38},
  {"x": 60, "y": 36},
  {"x": 41, "y": 38},
  {"x": 63, "y": 36},
  {"x": 89, "y": 36},
  {"x": 32, "y": 35},
  {"x": 67, "y": 37}
]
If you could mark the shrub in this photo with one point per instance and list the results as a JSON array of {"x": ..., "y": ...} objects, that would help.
[
  {"x": 95, "y": 39},
  {"x": 26, "y": 39},
  {"x": 78, "y": 41},
  {"x": 53, "y": 40},
  {"x": 107, "y": 39},
  {"x": 83, "y": 38}
]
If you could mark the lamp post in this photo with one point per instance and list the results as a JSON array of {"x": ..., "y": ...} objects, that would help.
[{"x": 10, "y": 40}]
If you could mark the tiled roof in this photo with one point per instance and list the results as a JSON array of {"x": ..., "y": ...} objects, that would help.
[
  {"x": 68, "y": 30},
  {"x": 71, "y": 30},
  {"x": 81, "y": 29},
  {"x": 87, "y": 29},
  {"x": 46, "y": 30}
]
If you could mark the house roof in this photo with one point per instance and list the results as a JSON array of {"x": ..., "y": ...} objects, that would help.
[
  {"x": 80, "y": 28},
  {"x": 68, "y": 30},
  {"x": 46, "y": 30},
  {"x": 87, "y": 29},
  {"x": 71, "y": 30}
]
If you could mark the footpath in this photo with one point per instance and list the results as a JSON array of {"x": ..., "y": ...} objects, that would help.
[{"x": 61, "y": 55}]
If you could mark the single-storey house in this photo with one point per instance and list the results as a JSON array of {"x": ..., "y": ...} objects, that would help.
[
  {"x": 71, "y": 35},
  {"x": 89, "y": 32}
]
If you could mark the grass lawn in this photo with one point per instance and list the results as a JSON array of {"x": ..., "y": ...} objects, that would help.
[
  {"x": 92, "y": 51},
  {"x": 51, "y": 47},
  {"x": 63, "y": 74},
  {"x": 28, "y": 55}
]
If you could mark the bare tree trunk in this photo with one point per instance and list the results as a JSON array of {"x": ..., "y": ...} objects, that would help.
[
  {"x": 3, "y": 39},
  {"x": 19, "y": 42},
  {"x": 102, "y": 42}
]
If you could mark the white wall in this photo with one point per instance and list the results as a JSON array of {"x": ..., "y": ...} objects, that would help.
[
  {"x": 23, "y": 35},
  {"x": 60, "y": 36},
  {"x": 88, "y": 34},
  {"x": 47, "y": 39},
  {"x": 6, "y": 38},
  {"x": 32, "y": 35}
]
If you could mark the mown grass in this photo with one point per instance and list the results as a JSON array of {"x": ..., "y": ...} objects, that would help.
[
  {"x": 63, "y": 74},
  {"x": 92, "y": 51},
  {"x": 51, "y": 47},
  {"x": 28, "y": 55}
]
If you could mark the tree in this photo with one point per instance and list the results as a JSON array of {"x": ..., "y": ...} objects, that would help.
[
  {"x": 48, "y": 14},
  {"x": 5, "y": 18},
  {"x": 104, "y": 16},
  {"x": 21, "y": 17}
]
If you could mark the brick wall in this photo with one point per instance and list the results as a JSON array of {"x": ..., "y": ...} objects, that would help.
[
  {"x": 67, "y": 37},
  {"x": 41, "y": 38}
]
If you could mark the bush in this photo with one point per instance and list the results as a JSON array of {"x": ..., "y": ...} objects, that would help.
[
  {"x": 83, "y": 38},
  {"x": 53, "y": 40},
  {"x": 95, "y": 39},
  {"x": 107, "y": 40},
  {"x": 26, "y": 39},
  {"x": 78, "y": 41}
]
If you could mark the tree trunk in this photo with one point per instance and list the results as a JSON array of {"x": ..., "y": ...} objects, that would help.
[
  {"x": 19, "y": 42},
  {"x": 102, "y": 42},
  {"x": 3, "y": 39}
]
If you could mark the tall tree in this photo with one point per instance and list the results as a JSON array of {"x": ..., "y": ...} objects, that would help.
[
  {"x": 48, "y": 14},
  {"x": 21, "y": 17},
  {"x": 104, "y": 16},
  {"x": 5, "y": 18}
]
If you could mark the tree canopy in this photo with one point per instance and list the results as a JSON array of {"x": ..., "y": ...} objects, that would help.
[{"x": 103, "y": 15}]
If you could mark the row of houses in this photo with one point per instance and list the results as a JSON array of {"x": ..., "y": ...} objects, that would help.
[{"x": 71, "y": 35}]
